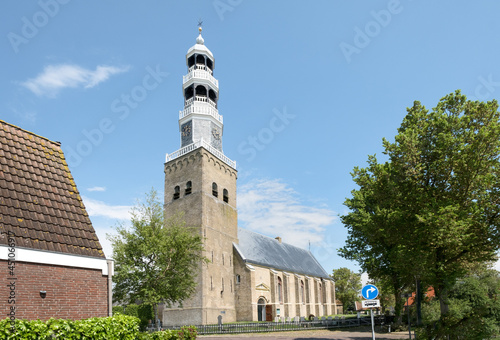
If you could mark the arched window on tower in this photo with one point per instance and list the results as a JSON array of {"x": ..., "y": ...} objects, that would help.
[
  {"x": 201, "y": 91},
  {"x": 200, "y": 59},
  {"x": 177, "y": 192},
  {"x": 189, "y": 92},
  {"x": 210, "y": 64},
  {"x": 188, "y": 188},
  {"x": 280, "y": 290},
  {"x": 225, "y": 196},
  {"x": 215, "y": 191},
  {"x": 212, "y": 95},
  {"x": 191, "y": 61},
  {"x": 238, "y": 279}
]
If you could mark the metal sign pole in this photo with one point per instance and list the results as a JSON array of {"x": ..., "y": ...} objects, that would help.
[{"x": 373, "y": 324}]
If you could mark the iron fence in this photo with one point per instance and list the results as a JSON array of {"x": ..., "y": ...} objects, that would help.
[{"x": 255, "y": 327}]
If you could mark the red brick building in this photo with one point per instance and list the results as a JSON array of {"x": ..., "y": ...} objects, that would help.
[{"x": 51, "y": 261}]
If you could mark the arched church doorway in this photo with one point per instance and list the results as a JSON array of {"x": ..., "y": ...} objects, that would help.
[{"x": 261, "y": 310}]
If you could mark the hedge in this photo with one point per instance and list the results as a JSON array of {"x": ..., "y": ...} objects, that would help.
[{"x": 117, "y": 327}]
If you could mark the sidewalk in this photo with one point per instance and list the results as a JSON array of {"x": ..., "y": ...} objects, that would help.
[{"x": 310, "y": 335}]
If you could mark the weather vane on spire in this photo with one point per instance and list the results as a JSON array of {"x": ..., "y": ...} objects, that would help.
[{"x": 200, "y": 23}]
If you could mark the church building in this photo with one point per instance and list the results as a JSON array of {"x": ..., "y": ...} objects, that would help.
[{"x": 250, "y": 277}]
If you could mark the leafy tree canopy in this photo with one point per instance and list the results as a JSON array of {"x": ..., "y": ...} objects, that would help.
[
  {"x": 474, "y": 309},
  {"x": 432, "y": 210},
  {"x": 155, "y": 260},
  {"x": 347, "y": 286}
]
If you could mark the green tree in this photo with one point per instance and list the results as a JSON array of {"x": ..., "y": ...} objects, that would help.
[
  {"x": 156, "y": 260},
  {"x": 347, "y": 286},
  {"x": 474, "y": 312},
  {"x": 376, "y": 230},
  {"x": 432, "y": 210}
]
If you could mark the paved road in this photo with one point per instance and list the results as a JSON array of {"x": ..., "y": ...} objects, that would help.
[{"x": 310, "y": 335}]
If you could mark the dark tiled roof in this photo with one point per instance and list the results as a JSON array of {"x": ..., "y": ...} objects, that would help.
[
  {"x": 266, "y": 251},
  {"x": 39, "y": 200}
]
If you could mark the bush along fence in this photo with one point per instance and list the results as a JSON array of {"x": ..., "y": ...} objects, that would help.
[
  {"x": 117, "y": 327},
  {"x": 295, "y": 325}
]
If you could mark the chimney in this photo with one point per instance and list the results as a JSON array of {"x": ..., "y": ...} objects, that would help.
[{"x": 278, "y": 238}]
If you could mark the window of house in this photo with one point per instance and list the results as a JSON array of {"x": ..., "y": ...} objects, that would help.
[
  {"x": 177, "y": 192},
  {"x": 215, "y": 191},
  {"x": 188, "y": 188},
  {"x": 280, "y": 290},
  {"x": 225, "y": 196}
]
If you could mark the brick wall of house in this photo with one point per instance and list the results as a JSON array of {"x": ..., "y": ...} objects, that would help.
[{"x": 72, "y": 293}]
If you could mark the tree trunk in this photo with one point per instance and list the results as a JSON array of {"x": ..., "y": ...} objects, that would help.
[
  {"x": 398, "y": 308},
  {"x": 419, "y": 302},
  {"x": 156, "y": 323},
  {"x": 443, "y": 302}
]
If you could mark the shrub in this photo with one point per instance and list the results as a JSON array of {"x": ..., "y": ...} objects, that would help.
[
  {"x": 117, "y": 327},
  {"x": 185, "y": 333}
]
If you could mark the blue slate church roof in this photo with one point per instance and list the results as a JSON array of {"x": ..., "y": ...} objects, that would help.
[{"x": 261, "y": 250}]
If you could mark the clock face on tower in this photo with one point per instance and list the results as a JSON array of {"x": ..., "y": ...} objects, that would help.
[
  {"x": 216, "y": 138},
  {"x": 186, "y": 133},
  {"x": 216, "y": 133},
  {"x": 186, "y": 130}
]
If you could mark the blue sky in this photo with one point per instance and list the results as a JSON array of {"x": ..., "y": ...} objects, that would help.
[{"x": 105, "y": 79}]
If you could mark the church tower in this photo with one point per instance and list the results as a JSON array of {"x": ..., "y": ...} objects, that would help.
[{"x": 200, "y": 181}]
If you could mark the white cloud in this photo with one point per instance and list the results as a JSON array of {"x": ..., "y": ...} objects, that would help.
[
  {"x": 272, "y": 208},
  {"x": 57, "y": 77},
  {"x": 98, "y": 208},
  {"x": 97, "y": 189}
]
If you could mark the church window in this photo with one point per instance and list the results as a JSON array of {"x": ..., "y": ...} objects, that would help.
[
  {"x": 215, "y": 191},
  {"x": 212, "y": 256},
  {"x": 231, "y": 285},
  {"x": 210, "y": 64},
  {"x": 222, "y": 290},
  {"x": 280, "y": 290},
  {"x": 222, "y": 259},
  {"x": 285, "y": 289},
  {"x": 320, "y": 296},
  {"x": 211, "y": 284},
  {"x": 177, "y": 192},
  {"x": 188, "y": 188},
  {"x": 302, "y": 292},
  {"x": 225, "y": 195},
  {"x": 238, "y": 279},
  {"x": 308, "y": 292}
]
